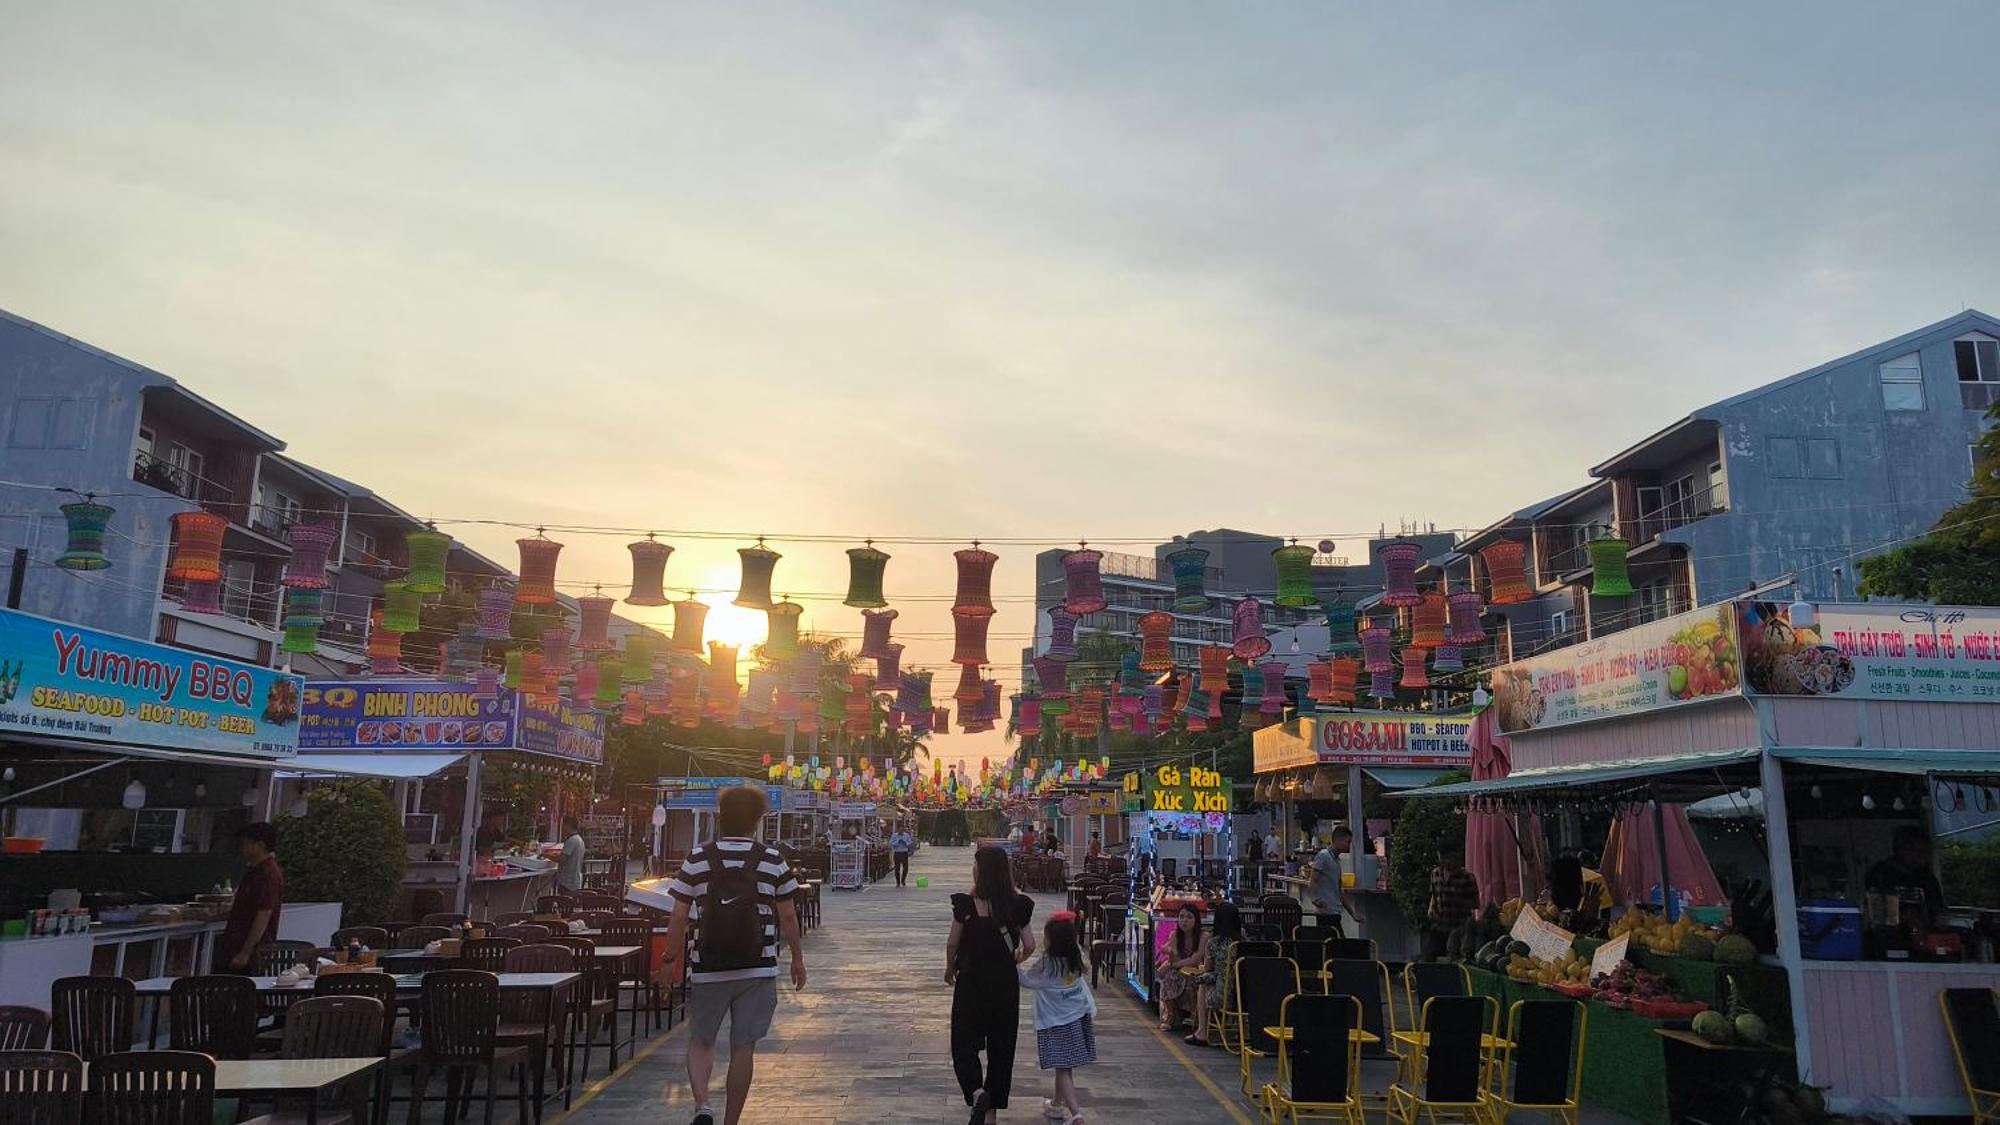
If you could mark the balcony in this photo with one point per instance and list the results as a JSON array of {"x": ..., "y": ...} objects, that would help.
[
  {"x": 1659, "y": 513},
  {"x": 157, "y": 472}
]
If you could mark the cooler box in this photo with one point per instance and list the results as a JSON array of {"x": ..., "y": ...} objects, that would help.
[{"x": 1830, "y": 930}]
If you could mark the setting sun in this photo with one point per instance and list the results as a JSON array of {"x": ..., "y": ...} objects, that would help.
[{"x": 732, "y": 624}]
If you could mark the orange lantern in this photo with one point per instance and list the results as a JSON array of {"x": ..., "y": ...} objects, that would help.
[
  {"x": 1427, "y": 621},
  {"x": 1342, "y": 679},
  {"x": 1156, "y": 641},
  {"x": 197, "y": 554},
  {"x": 1415, "y": 677},
  {"x": 1506, "y": 571},
  {"x": 538, "y": 571},
  {"x": 1215, "y": 669}
]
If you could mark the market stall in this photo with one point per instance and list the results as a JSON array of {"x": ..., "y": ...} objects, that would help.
[{"x": 1179, "y": 851}]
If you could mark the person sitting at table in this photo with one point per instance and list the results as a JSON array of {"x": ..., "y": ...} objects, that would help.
[
  {"x": 1185, "y": 958},
  {"x": 1216, "y": 984}
]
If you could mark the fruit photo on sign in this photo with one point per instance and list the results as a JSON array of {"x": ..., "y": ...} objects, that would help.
[{"x": 1701, "y": 659}]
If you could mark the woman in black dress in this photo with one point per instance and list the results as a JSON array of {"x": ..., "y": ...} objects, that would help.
[{"x": 989, "y": 936}]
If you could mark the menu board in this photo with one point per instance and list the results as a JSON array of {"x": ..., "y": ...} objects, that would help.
[
  {"x": 1864, "y": 651},
  {"x": 1676, "y": 660}
]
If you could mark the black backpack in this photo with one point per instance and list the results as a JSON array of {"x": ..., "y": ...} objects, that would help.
[{"x": 732, "y": 921}]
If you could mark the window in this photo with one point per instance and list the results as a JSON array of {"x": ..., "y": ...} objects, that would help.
[
  {"x": 1718, "y": 487},
  {"x": 1559, "y": 624},
  {"x": 360, "y": 546},
  {"x": 187, "y": 461},
  {"x": 1903, "y": 383},
  {"x": 1788, "y": 460},
  {"x": 43, "y": 422},
  {"x": 1978, "y": 359},
  {"x": 1823, "y": 458},
  {"x": 146, "y": 442}
]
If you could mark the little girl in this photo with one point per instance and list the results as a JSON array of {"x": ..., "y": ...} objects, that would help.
[{"x": 1064, "y": 1008}]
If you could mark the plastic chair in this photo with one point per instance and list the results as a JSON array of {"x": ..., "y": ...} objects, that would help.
[
  {"x": 555, "y": 904},
  {"x": 1368, "y": 982},
  {"x": 1310, "y": 953},
  {"x": 1262, "y": 931},
  {"x": 444, "y": 919},
  {"x": 461, "y": 1016},
  {"x": 1282, "y": 911},
  {"x": 1319, "y": 1065},
  {"x": 416, "y": 937},
  {"x": 151, "y": 1088},
  {"x": 1351, "y": 949},
  {"x": 1972, "y": 1020},
  {"x": 639, "y": 932},
  {"x": 595, "y": 901},
  {"x": 215, "y": 1015},
  {"x": 92, "y": 1016},
  {"x": 1451, "y": 1067},
  {"x": 374, "y": 937},
  {"x": 1541, "y": 1067},
  {"x": 487, "y": 954},
  {"x": 40, "y": 1088},
  {"x": 1259, "y": 949},
  {"x": 596, "y": 1007},
  {"x": 337, "y": 1027},
  {"x": 1107, "y": 951},
  {"x": 1425, "y": 979},
  {"x": 379, "y": 987},
  {"x": 526, "y": 1019},
  {"x": 274, "y": 957},
  {"x": 1262, "y": 983},
  {"x": 23, "y": 1028},
  {"x": 527, "y": 933}
]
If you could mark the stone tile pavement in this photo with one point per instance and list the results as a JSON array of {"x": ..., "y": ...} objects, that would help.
[{"x": 868, "y": 1040}]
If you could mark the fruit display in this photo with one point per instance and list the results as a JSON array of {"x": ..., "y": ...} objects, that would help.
[
  {"x": 1655, "y": 934},
  {"x": 1701, "y": 659},
  {"x": 1523, "y": 966},
  {"x": 1468, "y": 940},
  {"x": 1735, "y": 949}
]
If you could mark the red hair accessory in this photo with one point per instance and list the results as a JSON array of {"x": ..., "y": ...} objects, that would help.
[{"x": 1063, "y": 916}]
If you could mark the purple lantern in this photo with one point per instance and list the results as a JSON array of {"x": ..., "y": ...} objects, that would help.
[
  {"x": 1465, "y": 608},
  {"x": 1447, "y": 658},
  {"x": 486, "y": 681},
  {"x": 1382, "y": 685},
  {"x": 1250, "y": 641},
  {"x": 1399, "y": 572},
  {"x": 875, "y": 625},
  {"x": 204, "y": 596},
  {"x": 888, "y": 666},
  {"x": 1085, "y": 581},
  {"x": 1053, "y": 675},
  {"x": 1274, "y": 699},
  {"x": 555, "y": 649},
  {"x": 1062, "y": 634},
  {"x": 306, "y": 569},
  {"x": 1377, "y": 657},
  {"x": 496, "y": 613},
  {"x": 806, "y": 670}
]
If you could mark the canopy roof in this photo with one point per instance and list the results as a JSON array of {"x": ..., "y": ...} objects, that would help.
[
  {"x": 394, "y": 767},
  {"x": 1594, "y": 775}
]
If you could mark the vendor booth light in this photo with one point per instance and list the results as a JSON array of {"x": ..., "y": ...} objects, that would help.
[
  {"x": 1249, "y": 641},
  {"x": 197, "y": 550},
  {"x": 1506, "y": 572},
  {"x": 538, "y": 571},
  {"x": 649, "y": 571},
  {"x": 1062, "y": 634},
  {"x": 1609, "y": 574},
  {"x": 969, "y": 637},
  {"x": 1399, "y": 572},
  {"x": 428, "y": 551},
  {"x": 594, "y": 622},
  {"x": 85, "y": 521},
  {"x": 875, "y": 629},
  {"x": 135, "y": 795},
  {"x": 975, "y": 580},
  {"x": 1083, "y": 581},
  {"x": 1190, "y": 570},
  {"x": 1294, "y": 565},
  {"x": 759, "y": 562},
  {"x": 690, "y": 616}
]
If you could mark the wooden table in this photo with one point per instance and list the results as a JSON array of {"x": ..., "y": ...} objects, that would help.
[
  {"x": 277, "y": 1079},
  {"x": 416, "y": 960}
]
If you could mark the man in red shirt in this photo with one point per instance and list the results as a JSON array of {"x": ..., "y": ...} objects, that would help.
[{"x": 253, "y": 917}]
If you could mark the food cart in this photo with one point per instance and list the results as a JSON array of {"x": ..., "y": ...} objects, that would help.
[
  {"x": 1850, "y": 721},
  {"x": 1178, "y": 817},
  {"x": 856, "y": 833}
]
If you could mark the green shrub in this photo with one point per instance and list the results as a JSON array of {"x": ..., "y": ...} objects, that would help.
[
  {"x": 1423, "y": 824},
  {"x": 1970, "y": 871},
  {"x": 347, "y": 848}
]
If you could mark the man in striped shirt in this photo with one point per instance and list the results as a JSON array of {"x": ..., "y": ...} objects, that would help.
[{"x": 738, "y": 892}]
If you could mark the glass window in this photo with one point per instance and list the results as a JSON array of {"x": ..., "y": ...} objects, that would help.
[
  {"x": 1787, "y": 458},
  {"x": 1903, "y": 383}
]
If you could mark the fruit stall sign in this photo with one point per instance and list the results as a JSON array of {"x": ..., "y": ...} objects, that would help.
[
  {"x": 1681, "y": 659},
  {"x": 1604, "y": 962},
  {"x": 1545, "y": 940},
  {"x": 1945, "y": 654}
]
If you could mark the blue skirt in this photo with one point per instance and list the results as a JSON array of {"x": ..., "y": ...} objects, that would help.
[{"x": 1066, "y": 1047}]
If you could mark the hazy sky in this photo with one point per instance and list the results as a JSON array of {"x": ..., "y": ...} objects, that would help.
[{"x": 1043, "y": 271}]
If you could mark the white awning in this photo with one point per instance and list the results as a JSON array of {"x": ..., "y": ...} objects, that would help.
[{"x": 393, "y": 767}]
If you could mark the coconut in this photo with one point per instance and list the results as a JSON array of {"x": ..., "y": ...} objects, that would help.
[
  {"x": 1749, "y": 1027},
  {"x": 1735, "y": 949},
  {"x": 1712, "y": 1026}
]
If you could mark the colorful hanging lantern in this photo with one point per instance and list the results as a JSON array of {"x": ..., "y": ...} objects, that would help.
[
  {"x": 202, "y": 597},
  {"x": 496, "y": 614},
  {"x": 1190, "y": 569},
  {"x": 594, "y": 617},
  {"x": 875, "y": 627},
  {"x": 486, "y": 683},
  {"x": 1382, "y": 685},
  {"x": 806, "y": 670},
  {"x": 1028, "y": 715},
  {"x": 940, "y": 718},
  {"x": 513, "y": 668},
  {"x": 385, "y": 649},
  {"x": 970, "y": 638},
  {"x": 1339, "y": 625},
  {"x": 402, "y": 608},
  {"x": 975, "y": 581},
  {"x": 1342, "y": 679},
  {"x": 864, "y": 577},
  {"x": 1156, "y": 641},
  {"x": 1085, "y": 581},
  {"x": 464, "y": 652},
  {"x": 1250, "y": 641},
  {"x": 1506, "y": 572},
  {"x": 781, "y": 631},
  {"x": 1414, "y": 676},
  {"x": 86, "y": 520},
  {"x": 610, "y": 681},
  {"x": 633, "y": 714},
  {"x": 1062, "y": 634},
  {"x": 538, "y": 571},
  {"x": 555, "y": 649},
  {"x": 428, "y": 550},
  {"x": 304, "y": 610},
  {"x": 969, "y": 689},
  {"x": 1154, "y": 703},
  {"x": 1376, "y": 654},
  {"x": 1463, "y": 613},
  {"x": 1447, "y": 658},
  {"x": 760, "y": 696},
  {"x": 534, "y": 674},
  {"x": 1252, "y": 686},
  {"x": 758, "y": 564},
  {"x": 690, "y": 614},
  {"x": 721, "y": 663},
  {"x": 583, "y": 689},
  {"x": 311, "y": 543},
  {"x": 1609, "y": 575},
  {"x": 197, "y": 553},
  {"x": 638, "y": 664},
  {"x": 1295, "y": 584},
  {"x": 1427, "y": 621},
  {"x": 1399, "y": 572},
  {"x": 784, "y": 705},
  {"x": 989, "y": 704},
  {"x": 1195, "y": 704},
  {"x": 1274, "y": 699},
  {"x": 1131, "y": 677},
  {"x": 860, "y": 699},
  {"x": 1053, "y": 676},
  {"x": 1319, "y": 679},
  {"x": 1214, "y": 669},
  {"x": 889, "y": 667},
  {"x": 649, "y": 571}
]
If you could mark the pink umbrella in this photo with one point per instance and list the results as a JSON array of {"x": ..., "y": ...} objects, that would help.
[
  {"x": 1631, "y": 865},
  {"x": 1505, "y": 865}
]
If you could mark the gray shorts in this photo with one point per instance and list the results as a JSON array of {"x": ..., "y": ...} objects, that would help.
[{"x": 750, "y": 1004}]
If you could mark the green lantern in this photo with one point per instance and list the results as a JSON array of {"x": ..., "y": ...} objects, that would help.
[
  {"x": 781, "y": 632},
  {"x": 1295, "y": 586},
  {"x": 514, "y": 664},
  {"x": 86, "y": 519},
  {"x": 864, "y": 577},
  {"x": 401, "y": 607},
  {"x": 428, "y": 551},
  {"x": 638, "y": 666},
  {"x": 833, "y": 702},
  {"x": 304, "y": 611},
  {"x": 610, "y": 681},
  {"x": 1609, "y": 577}
]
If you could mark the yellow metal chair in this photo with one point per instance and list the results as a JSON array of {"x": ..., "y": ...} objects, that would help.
[
  {"x": 1262, "y": 985},
  {"x": 1447, "y": 1074},
  {"x": 1972, "y": 1019},
  {"x": 1540, "y": 1067},
  {"x": 1319, "y": 1062},
  {"x": 1425, "y": 979}
]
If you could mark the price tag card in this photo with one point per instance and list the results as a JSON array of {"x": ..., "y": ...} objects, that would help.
[
  {"x": 1605, "y": 960},
  {"x": 1544, "y": 940}
]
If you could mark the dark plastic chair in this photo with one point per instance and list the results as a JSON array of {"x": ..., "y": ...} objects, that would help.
[
  {"x": 1351, "y": 949},
  {"x": 1318, "y": 1067},
  {"x": 1107, "y": 951},
  {"x": 374, "y": 937},
  {"x": 1310, "y": 953},
  {"x": 592, "y": 900},
  {"x": 1262, "y": 984},
  {"x": 416, "y": 937},
  {"x": 487, "y": 954},
  {"x": 526, "y": 1019},
  {"x": 151, "y": 1088},
  {"x": 1972, "y": 1020},
  {"x": 1368, "y": 982},
  {"x": 555, "y": 904},
  {"x": 461, "y": 1017},
  {"x": 92, "y": 1016},
  {"x": 1282, "y": 911},
  {"x": 1425, "y": 979},
  {"x": 40, "y": 1088},
  {"x": 595, "y": 1006},
  {"x": 337, "y": 1027},
  {"x": 215, "y": 1015},
  {"x": 274, "y": 957},
  {"x": 1542, "y": 1070},
  {"x": 379, "y": 987},
  {"x": 1259, "y": 949},
  {"x": 444, "y": 919},
  {"x": 594, "y": 919},
  {"x": 525, "y": 932},
  {"x": 1262, "y": 931},
  {"x": 23, "y": 1028},
  {"x": 1452, "y": 1061},
  {"x": 645, "y": 993}
]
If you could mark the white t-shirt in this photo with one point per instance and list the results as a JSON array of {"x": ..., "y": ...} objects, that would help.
[
  {"x": 569, "y": 872},
  {"x": 1271, "y": 850}
]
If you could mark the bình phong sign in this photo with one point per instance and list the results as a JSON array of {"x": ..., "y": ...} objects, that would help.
[
  {"x": 1368, "y": 738},
  {"x": 1176, "y": 789},
  {"x": 426, "y": 714},
  {"x": 1681, "y": 659}
]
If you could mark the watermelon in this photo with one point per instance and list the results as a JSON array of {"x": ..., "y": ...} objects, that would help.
[
  {"x": 1735, "y": 949},
  {"x": 1695, "y": 947}
]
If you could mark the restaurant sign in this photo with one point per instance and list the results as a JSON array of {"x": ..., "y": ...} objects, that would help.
[
  {"x": 1176, "y": 789},
  {"x": 1368, "y": 738},
  {"x": 62, "y": 681},
  {"x": 1676, "y": 660},
  {"x": 425, "y": 714},
  {"x": 1866, "y": 651}
]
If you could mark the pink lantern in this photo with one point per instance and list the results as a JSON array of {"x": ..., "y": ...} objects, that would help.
[
  {"x": 649, "y": 571},
  {"x": 1029, "y": 724},
  {"x": 975, "y": 581},
  {"x": 634, "y": 712},
  {"x": 970, "y": 634},
  {"x": 888, "y": 666},
  {"x": 1085, "y": 582},
  {"x": 583, "y": 690},
  {"x": 1399, "y": 572},
  {"x": 1414, "y": 676},
  {"x": 555, "y": 649},
  {"x": 1062, "y": 634},
  {"x": 1376, "y": 654},
  {"x": 1427, "y": 621},
  {"x": 875, "y": 625},
  {"x": 1053, "y": 676},
  {"x": 690, "y": 616},
  {"x": 538, "y": 571},
  {"x": 1250, "y": 641},
  {"x": 940, "y": 718},
  {"x": 486, "y": 682},
  {"x": 306, "y": 569},
  {"x": 595, "y": 613},
  {"x": 496, "y": 613},
  {"x": 1274, "y": 700},
  {"x": 1463, "y": 609},
  {"x": 969, "y": 689},
  {"x": 1156, "y": 641},
  {"x": 205, "y": 596}
]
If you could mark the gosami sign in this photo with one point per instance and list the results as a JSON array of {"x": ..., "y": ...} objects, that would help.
[
  {"x": 1177, "y": 789},
  {"x": 1369, "y": 738},
  {"x": 62, "y": 681}
]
